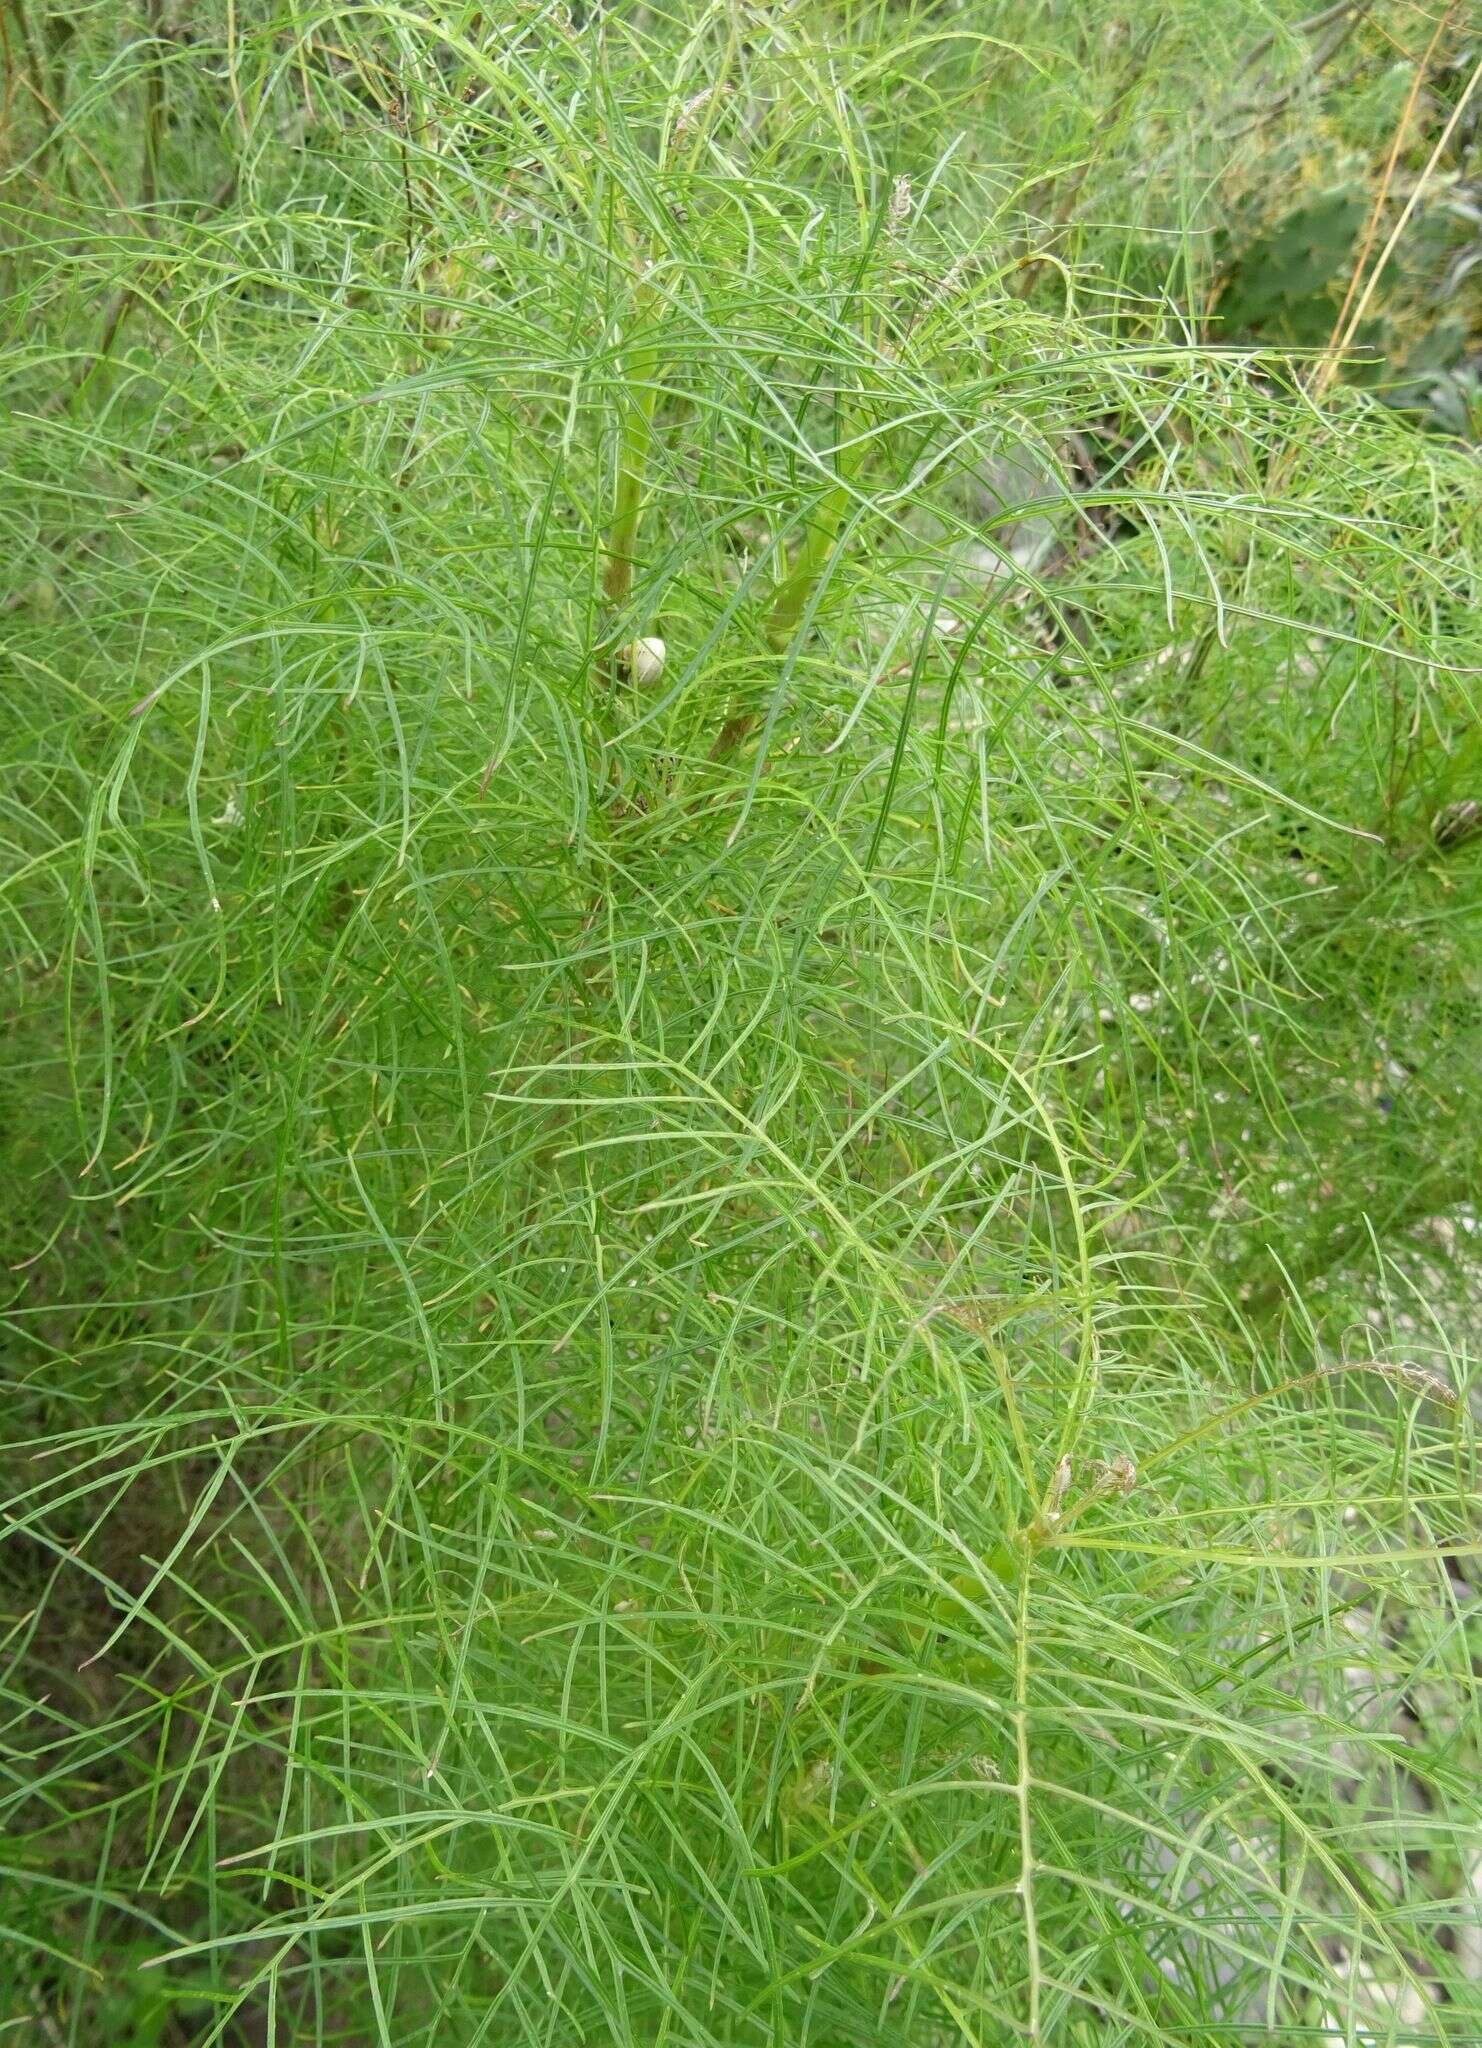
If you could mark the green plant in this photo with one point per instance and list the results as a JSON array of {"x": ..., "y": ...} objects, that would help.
[{"x": 767, "y": 1349}]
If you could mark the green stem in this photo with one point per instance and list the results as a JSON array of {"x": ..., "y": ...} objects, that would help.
[
  {"x": 154, "y": 114},
  {"x": 33, "y": 63},
  {"x": 796, "y": 589},
  {"x": 812, "y": 559},
  {"x": 808, "y": 566},
  {"x": 637, "y": 438}
]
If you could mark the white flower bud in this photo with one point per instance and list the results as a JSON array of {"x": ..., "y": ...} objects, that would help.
[{"x": 644, "y": 660}]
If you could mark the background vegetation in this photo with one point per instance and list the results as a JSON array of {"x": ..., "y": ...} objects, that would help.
[{"x": 742, "y": 900}]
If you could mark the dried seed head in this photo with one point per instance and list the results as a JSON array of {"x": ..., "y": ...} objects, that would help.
[
  {"x": 1119, "y": 1477},
  {"x": 1042, "y": 1529},
  {"x": 1059, "y": 1487},
  {"x": 809, "y": 1786},
  {"x": 1418, "y": 1378},
  {"x": 693, "y": 106},
  {"x": 949, "y": 286}
]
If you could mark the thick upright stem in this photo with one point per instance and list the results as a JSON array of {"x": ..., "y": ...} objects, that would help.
[
  {"x": 795, "y": 591},
  {"x": 633, "y": 447},
  {"x": 635, "y": 437},
  {"x": 808, "y": 566}
]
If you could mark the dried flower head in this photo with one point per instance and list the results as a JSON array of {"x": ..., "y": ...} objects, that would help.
[
  {"x": 1403, "y": 1373},
  {"x": 1059, "y": 1487},
  {"x": 694, "y": 105},
  {"x": 1115, "y": 1478},
  {"x": 951, "y": 283}
]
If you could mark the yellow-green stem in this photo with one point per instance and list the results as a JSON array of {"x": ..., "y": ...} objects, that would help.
[
  {"x": 812, "y": 558},
  {"x": 633, "y": 447},
  {"x": 808, "y": 566}
]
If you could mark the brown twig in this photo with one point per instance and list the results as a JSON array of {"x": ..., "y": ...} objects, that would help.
[
  {"x": 1323, "y": 376},
  {"x": 1346, "y": 329}
]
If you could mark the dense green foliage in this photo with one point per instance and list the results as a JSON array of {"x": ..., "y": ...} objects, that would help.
[{"x": 743, "y": 901}]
